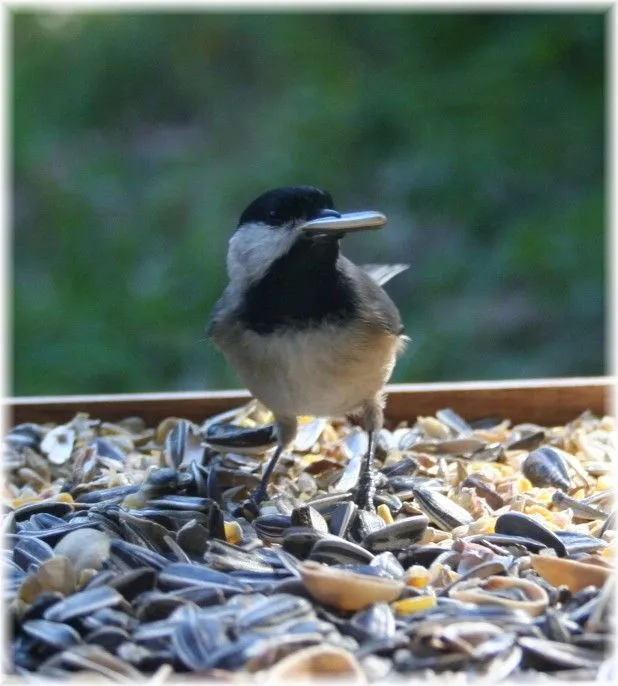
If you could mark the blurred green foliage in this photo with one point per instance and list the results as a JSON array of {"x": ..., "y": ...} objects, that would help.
[{"x": 140, "y": 137}]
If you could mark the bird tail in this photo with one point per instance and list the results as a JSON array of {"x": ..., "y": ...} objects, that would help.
[{"x": 381, "y": 273}]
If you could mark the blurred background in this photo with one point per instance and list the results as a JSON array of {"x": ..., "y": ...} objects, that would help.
[{"x": 138, "y": 138}]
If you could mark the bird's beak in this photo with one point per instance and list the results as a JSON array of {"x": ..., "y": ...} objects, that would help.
[{"x": 333, "y": 222}]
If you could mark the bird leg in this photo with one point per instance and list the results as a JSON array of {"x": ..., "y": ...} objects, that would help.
[
  {"x": 286, "y": 432},
  {"x": 371, "y": 421}
]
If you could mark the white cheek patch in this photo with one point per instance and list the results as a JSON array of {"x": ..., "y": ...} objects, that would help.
[{"x": 253, "y": 248}]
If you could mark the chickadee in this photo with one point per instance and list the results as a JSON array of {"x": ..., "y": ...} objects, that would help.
[{"x": 308, "y": 331}]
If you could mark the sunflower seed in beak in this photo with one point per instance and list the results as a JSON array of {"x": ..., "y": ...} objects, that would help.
[{"x": 353, "y": 221}]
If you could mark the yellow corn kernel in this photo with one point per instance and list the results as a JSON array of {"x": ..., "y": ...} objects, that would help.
[
  {"x": 460, "y": 531},
  {"x": 562, "y": 520},
  {"x": 135, "y": 501},
  {"x": 544, "y": 495},
  {"x": 394, "y": 456},
  {"x": 553, "y": 527},
  {"x": 604, "y": 482},
  {"x": 417, "y": 576},
  {"x": 513, "y": 461},
  {"x": 539, "y": 510},
  {"x": 542, "y": 516},
  {"x": 25, "y": 500},
  {"x": 305, "y": 419},
  {"x": 433, "y": 427},
  {"x": 11, "y": 490},
  {"x": 309, "y": 458},
  {"x": 247, "y": 423},
  {"x": 85, "y": 575},
  {"x": 64, "y": 498},
  {"x": 409, "y": 606},
  {"x": 440, "y": 575},
  {"x": 383, "y": 511},
  {"x": 56, "y": 497},
  {"x": 505, "y": 469},
  {"x": 433, "y": 535},
  {"x": 489, "y": 436},
  {"x": 329, "y": 434},
  {"x": 233, "y": 532},
  {"x": 523, "y": 485},
  {"x": 476, "y": 466},
  {"x": 483, "y": 525}
]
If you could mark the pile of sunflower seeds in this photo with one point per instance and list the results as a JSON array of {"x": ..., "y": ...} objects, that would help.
[{"x": 489, "y": 555}]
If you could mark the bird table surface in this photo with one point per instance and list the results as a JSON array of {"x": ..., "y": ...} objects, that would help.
[{"x": 481, "y": 548}]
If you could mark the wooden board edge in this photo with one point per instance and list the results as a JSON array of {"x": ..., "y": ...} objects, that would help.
[{"x": 545, "y": 401}]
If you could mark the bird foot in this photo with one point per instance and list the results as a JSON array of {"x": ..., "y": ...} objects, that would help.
[{"x": 365, "y": 493}]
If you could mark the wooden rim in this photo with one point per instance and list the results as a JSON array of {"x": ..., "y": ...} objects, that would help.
[{"x": 545, "y": 401}]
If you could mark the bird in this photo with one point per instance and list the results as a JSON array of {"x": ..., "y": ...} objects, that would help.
[{"x": 308, "y": 331}]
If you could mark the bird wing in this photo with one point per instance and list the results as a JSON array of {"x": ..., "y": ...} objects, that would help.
[
  {"x": 381, "y": 273},
  {"x": 375, "y": 306}
]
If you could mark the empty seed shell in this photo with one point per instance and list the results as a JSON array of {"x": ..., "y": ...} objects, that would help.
[
  {"x": 55, "y": 574},
  {"x": 58, "y": 444},
  {"x": 318, "y": 662},
  {"x": 86, "y": 548},
  {"x": 347, "y": 590},
  {"x": 571, "y": 573},
  {"x": 528, "y": 596}
]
